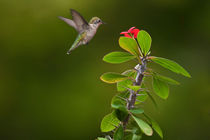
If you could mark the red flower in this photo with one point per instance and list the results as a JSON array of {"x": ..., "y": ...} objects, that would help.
[{"x": 132, "y": 32}]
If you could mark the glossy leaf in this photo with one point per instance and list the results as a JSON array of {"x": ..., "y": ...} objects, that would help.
[
  {"x": 123, "y": 85},
  {"x": 111, "y": 77},
  {"x": 129, "y": 45},
  {"x": 135, "y": 128},
  {"x": 136, "y": 111},
  {"x": 118, "y": 57},
  {"x": 136, "y": 137},
  {"x": 119, "y": 133},
  {"x": 128, "y": 137},
  {"x": 155, "y": 126},
  {"x": 171, "y": 65},
  {"x": 166, "y": 79},
  {"x": 135, "y": 134},
  {"x": 109, "y": 122},
  {"x": 161, "y": 88},
  {"x": 118, "y": 104},
  {"x": 121, "y": 96},
  {"x": 134, "y": 88},
  {"x": 144, "y": 41},
  {"x": 121, "y": 114},
  {"x": 143, "y": 126},
  {"x": 100, "y": 138},
  {"x": 141, "y": 97}
]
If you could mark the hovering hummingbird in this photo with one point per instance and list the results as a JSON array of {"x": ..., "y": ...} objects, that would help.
[{"x": 86, "y": 30}]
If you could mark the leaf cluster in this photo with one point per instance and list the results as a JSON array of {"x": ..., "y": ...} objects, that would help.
[{"x": 130, "y": 123}]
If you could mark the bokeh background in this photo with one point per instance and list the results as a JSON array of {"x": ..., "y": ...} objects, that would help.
[{"x": 48, "y": 95}]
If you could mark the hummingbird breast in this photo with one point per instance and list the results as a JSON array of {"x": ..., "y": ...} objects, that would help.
[{"x": 90, "y": 33}]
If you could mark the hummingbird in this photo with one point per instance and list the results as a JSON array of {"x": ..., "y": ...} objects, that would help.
[{"x": 86, "y": 30}]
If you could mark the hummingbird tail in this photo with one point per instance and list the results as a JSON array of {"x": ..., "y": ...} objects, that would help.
[
  {"x": 74, "y": 46},
  {"x": 69, "y": 51},
  {"x": 77, "y": 42}
]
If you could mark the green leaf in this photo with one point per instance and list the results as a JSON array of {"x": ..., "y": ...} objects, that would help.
[
  {"x": 160, "y": 88},
  {"x": 128, "y": 137},
  {"x": 136, "y": 137},
  {"x": 129, "y": 45},
  {"x": 136, "y": 134},
  {"x": 143, "y": 126},
  {"x": 166, "y": 79},
  {"x": 111, "y": 77},
  {"x": 118, "y": 104},
  {"x": 134, "y": 88},
  {"x": 100, "y": 138},
  {"x": 121, "y": 95},
  {"x": 134, "y": 129},
  {"x": 118, "y": 57},
  {"x": 123, "y": 85},
  {"x": 171, "y": 65},
  {"x": 136, "y": 111},
  {"x": 109, "y": 122},
  {"x": 119, "y": 133},
  {"x": 121, "y": 115},
  {"x": 144, "y": 41},
  {"x": 142, "y": 94},
  {"x": 141, "y": 97},
  {"x": 155, "y": 126}
]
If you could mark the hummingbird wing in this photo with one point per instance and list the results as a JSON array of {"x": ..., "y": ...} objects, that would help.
[
  {"x": 80, "y": 22},
  {"x": 68, "y": 21}
]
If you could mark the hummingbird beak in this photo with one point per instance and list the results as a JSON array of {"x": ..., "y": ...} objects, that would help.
[{"x": 103, "y": 22}]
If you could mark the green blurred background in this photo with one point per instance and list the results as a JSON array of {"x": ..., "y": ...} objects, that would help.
[{"x": 46, "y": 94}]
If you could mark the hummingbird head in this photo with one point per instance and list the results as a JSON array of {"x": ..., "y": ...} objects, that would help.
[{"x": 96, "y": 21}]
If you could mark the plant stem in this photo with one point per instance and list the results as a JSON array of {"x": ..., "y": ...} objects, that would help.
[{"x": 133, "y": 94}]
